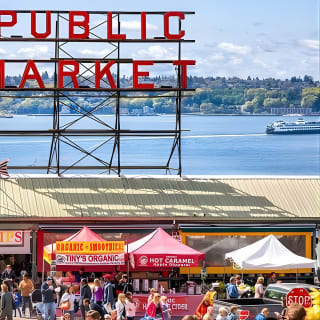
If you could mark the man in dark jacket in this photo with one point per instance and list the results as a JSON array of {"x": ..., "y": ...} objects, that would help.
[
  {"x": 85, "y": 293},
  {"x": 49, "y": 304},
  {"x": 124, "y": 285},
  {"x": 8, "y": 276}
]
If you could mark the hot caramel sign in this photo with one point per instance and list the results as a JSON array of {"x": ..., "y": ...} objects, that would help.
[{"x": 89, "y": 247}]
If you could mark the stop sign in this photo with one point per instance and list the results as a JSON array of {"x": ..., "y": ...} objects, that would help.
[{"x": 300, "y": 296}]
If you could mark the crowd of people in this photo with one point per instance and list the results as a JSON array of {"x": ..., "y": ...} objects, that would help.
[{"x": 113, "y": 300}]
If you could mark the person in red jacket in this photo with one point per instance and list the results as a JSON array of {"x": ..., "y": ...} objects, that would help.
[
  {"x": 154, "y": 309},
  {"x": 202, "y": 308}
]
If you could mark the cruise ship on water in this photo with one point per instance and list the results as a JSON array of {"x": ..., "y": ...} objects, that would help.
[{"x": 300, "y": 126}]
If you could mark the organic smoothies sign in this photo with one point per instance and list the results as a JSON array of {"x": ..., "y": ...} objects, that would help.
[
  {"x": 89, "y": 247},
  {"x": 90, "y": 259}
]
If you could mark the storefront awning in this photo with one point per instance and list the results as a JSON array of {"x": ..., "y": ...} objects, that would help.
[{"x": 159, "y": 250}]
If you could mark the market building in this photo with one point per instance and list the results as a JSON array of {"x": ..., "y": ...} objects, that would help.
[{"x": 211, "y": 214}]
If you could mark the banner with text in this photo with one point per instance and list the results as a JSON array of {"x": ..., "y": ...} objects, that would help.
[
  {"x": 90, "y": 259},
  {"x": 162, "y": 261},
  {"x": 89, "y": 247}
]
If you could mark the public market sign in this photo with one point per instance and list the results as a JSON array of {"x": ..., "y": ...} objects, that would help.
[
  {"x": 90, "y": 259},
  {"x": 300, "y": 296},
  {"x": 155, "y": 261},
  {"x": 79, "y": 29},
  {"x": 11, "y": 238},
  {"x": 89, "y": 247}
]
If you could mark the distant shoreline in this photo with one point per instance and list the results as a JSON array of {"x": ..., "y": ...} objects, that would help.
[{"x": 172, "y": 114}]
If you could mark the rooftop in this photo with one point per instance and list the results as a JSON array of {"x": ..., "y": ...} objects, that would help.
[{"x": 188, "y": 198}]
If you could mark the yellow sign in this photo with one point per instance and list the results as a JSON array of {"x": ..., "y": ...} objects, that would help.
[
  {"x": 46, "y": 255},
  {"x": 89, "y": 247}
]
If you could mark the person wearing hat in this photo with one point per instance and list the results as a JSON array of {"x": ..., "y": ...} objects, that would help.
[
  {"x": 49, "y": 304},
  {"x": 108, "y": 298},
  {"x": 8, "y": 276}
]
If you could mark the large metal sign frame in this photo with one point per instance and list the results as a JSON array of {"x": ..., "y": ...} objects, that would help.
[{"x": 111, "y": 133}]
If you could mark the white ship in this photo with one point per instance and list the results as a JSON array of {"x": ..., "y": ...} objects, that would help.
[{"x": 300, "y": 126}]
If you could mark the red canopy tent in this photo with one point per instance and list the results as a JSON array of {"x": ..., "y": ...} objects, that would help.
[
  {"x": 161, "y": 251},
  {"x": 74, "y": 261}
]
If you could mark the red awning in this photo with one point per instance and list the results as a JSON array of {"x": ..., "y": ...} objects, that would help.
[{"x": 160, "y": 250}]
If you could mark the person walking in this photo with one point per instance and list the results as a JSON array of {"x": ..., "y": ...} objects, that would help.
[
  {"x": 26, "y": 287},
  {"x": 49, "y": 304},
  {"x": 121, "y": 307},
  {"x": 108, "y": 298},
  {"x": 85, "y": 293},
  {"x": 272, "y": 279},
  {"x": 97, "y": 292},
  {"x": 17, "y": 301},
  {"x": 154, "y": 309},
  {"x": 166, "y": 311},
  {"x": 263, "y": 315},
  {"x": 131, "y": 306},
  {"x": 258, "y": 288},
  {"x": 231, "y": 288},
  {"x": 7, "y": 303},
  {"x": 69, "y": 296}
]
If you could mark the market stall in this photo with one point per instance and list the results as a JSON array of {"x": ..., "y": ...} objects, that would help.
[
  {"x": 159, "y": 251},
  {"x": 270, "y": 254},
  {"x": 85, "y": 249}
]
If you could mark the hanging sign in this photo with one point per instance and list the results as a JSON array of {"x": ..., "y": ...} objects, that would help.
[
  {"x": 11, "y": 238},
  {"x": 159, "y": 261},
  {"x": 90, "y": 259},
  {"x": 89, "y": 247}
]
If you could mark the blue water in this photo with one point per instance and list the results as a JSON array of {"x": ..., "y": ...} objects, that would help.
[{"x": 215, "y": 145}]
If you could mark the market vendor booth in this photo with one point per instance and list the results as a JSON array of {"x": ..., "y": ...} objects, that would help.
[
  {"x": 159, "y": 251},
  {"x": 85, "y": 249}
]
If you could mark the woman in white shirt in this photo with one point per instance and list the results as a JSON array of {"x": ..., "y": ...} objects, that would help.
[
  {"x": 69, "y": 295},
  {"x": 131, "y": 306},
  {"x": 258, "y": 288},
  {"x": 121, "y": 307}
]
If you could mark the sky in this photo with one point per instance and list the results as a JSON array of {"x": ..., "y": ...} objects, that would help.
[{"x": 257, "y": 38}]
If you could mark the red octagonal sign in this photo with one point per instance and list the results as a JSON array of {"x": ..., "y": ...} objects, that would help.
[{"x": 300, "y": 296}]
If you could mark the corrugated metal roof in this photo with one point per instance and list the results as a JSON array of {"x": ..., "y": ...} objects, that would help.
[{"x": 236, "y": 198}]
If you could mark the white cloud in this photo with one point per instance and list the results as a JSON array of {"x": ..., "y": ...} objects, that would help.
[
  {"x": 235, "y": 60},
  {"x": 34, "y": 52},
  {"x": 216, "y": 57},
  {"x": 233, "y": 48},
  {"x": 312, "y": 44},
  {"x": 2, "y": 51},
  {"x": 94, "y": 53},
  {"x": 260, "y": 63},
  {"x": 156, "y": 52},
  {"x": 136, "y": 25}
]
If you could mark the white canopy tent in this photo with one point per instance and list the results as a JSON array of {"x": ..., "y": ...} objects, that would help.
[{"x": 268, "y": 253}]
